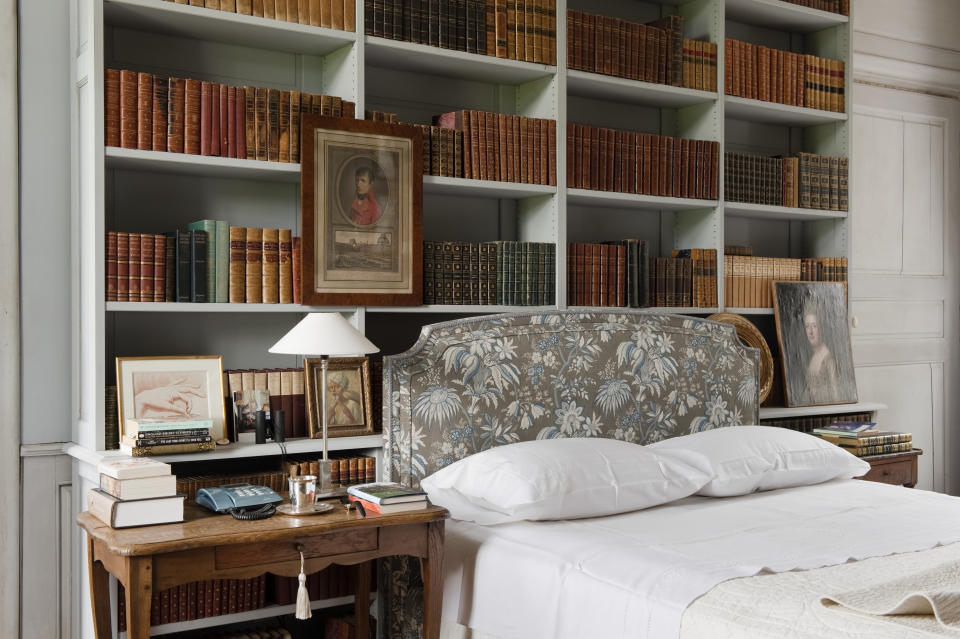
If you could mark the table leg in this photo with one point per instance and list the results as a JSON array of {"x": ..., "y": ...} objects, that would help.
[
  {"x": 139, "y": 589},
  {"x": 432, "y": 568},
  {"x": 99, "y": 594},
  {"x": 361, "y": 606}
]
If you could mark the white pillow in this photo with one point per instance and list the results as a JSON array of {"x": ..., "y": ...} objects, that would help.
[
  {"x": 743, "y": 459},
  {"x": 560, "y": 479}
]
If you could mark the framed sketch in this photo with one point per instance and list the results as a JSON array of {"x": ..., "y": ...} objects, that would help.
[
  {"x": 814, "y": 339},
  {"x": 361, "y": 213},
  {"x": 172, "y": 388},
  {"x": 347, "y": 399}
]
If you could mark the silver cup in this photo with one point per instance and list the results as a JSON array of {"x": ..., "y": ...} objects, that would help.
[{"x": 303, "y": 490}]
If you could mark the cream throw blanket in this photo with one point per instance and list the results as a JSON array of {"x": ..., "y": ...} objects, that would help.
[{"x": 926, "y": 601}]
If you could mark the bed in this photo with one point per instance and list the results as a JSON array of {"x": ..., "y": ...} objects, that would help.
[{"x": 754, "y": 565}]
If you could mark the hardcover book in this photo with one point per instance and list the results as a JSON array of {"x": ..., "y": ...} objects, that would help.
[
  {"x": 142, "y": 512},
  {"x": 386, "y": 493}
]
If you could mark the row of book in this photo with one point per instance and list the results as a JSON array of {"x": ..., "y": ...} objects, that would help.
[
  {"x": 863, "y": 438},
  {"x": 684, "y": 281},
  {"x": 808, "y": 423},
  {"x": 442, "y": 151},
  {"x": 459, "y": 273},
  {"x": 504, "y": 147},
  {"x": 332, "y": 14},
  {"x": 807, "y": 180},
  {"x": 834, "y": 6},
  {"x": 524, "y": 30},
  {"x": 252, "y": 390},
  {"x": 625, "y": 162},
  {"x": 652, "y": 52},
  {"x": 344, "y": 471},
  {"x": 151, "y": 112},
  {"x": 201, "y": 599},
  {"x": 264, "y": 265},
  {"x": 747, "y": 280},
  {"x": 333, "y": 581},
  {"x": 761, "y": 73}
]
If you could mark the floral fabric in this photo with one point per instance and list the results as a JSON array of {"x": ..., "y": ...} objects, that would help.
[{"x": 472, "y": 384}]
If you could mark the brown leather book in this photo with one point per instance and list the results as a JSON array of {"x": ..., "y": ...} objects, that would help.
[
  {"x": 326, "y": 13},
  {"x": 592, "y": 151},
  {"x": 603, "y": 153},
  {"x": 256, "y": 8},
  {"x": 249, "y": 122},
  {"x": 206, "y": 117},
  {"x": 212, "y": 4},
  {"x": 349, "y": 15},
  {"x": 294, "y": 117},
  {"x": 299, "y": 405},
  {"x": 123, "y": 267},
  {"x": 145, "y": 111},
  {"x": 238, "y": 264},
  {"x": 270, "y": 9},
  {"x": 273, "y": 120},
  {"x": 191, "y": 122},
  {"x": 676, "y": 167},
  {"x": 215, "y": 113},
  {"x": 262, "y": 127},
  {"x": 298, "y": 11},
  {"x": 230, "y": 6},
  {"x": 110, "y": 250},
  {"x": 245, "y": 7},
  {"x": 111, "y": 107},
  {"x": 254, "y": 266},
  {"x": 280, "y": 10},
  {"x": 133, "y": 270},
  {"x": 285, "y": 257},
  {"x": 271, "y": 266},
  {"x": 229, "y": 136},
  {"x": 297, "y": 284},
  {"x": 176, "y": 106},
  {"x": 286, "y": 401},
  {"x": 336, "y": 15},
  {"x": 226, "y": 122},
  {"x": 283, "y": 120},
  {"x": 313, "y": 12},
  {"x": 159, "y": 268},
  {"x": 170, "y": 268}
]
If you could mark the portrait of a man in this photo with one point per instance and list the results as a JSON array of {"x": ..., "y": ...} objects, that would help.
[
  {"x": 344, "y": 398},
  {"x": 342, "y": 401},
  {"x": 814, "y": 343},
  {"x": 365, "y": 209}
]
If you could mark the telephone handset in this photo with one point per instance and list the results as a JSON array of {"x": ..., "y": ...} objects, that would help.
[{"x": 238, "y": 499}]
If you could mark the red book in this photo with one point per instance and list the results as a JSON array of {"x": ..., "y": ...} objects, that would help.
[
  {"x": 215, "y": 118},
  {"x": 160, "y": 96},
  {"x": 159, "y": 268},
  {"x": 145, "y": 111},
  {"x": 191, "y": 124},
  {"x": 206, "y": 117},
  {"x": 176, "y": 106},
  {"x": 111, "y": 267},
  {"x": 146, "y": 267},
  {"x": 133, "y": 271},
  {"x": 111, "y": 107},
  {"x": 241, "y": 124},
  {"x": 128, "y": 109},
  {"x": 230, "y": 134},
  {"x": 225, "y": 121},
  {"x": 123, "y": 267}
]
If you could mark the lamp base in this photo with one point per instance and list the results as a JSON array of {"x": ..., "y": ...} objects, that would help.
[
  {"x": 325, "y": 488},
  {"x": 339, "y": 491}
]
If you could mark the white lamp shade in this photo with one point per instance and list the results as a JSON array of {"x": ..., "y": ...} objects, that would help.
[{"x": 324, "y": 334}]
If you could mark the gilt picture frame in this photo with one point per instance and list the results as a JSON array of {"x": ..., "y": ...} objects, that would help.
[
  {"x": 349, "y": 404},
  {"x": 361, "y": 192},
  {"x": 814, "y": 339}
]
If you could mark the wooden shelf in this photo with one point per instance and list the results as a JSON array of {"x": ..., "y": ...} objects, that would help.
[
  {"x": 738, "y": 108},
  {"x": 200, "y": 165},
  {"x": 605, "y": 87},
  {"x": 191, "y": 307},
  {"x": 231, "y": 28},
  {"x": 435, "y": 185},
  {"x": 770, "y": 212},
  {"x": 421, "y": 58},
  {"x": 778, "y": 412},
  {"x": 584, "y": 197},
  {"x": 784, "y": 16},
  {"x": 294, "y": 446}
]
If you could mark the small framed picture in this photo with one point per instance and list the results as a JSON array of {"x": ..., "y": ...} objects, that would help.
[
  {"x": 361, "y": 192},
  {"x": 814, "y": 338},
  {"x": 348, "y": 403},
  {"x": 175, "y": 388}
]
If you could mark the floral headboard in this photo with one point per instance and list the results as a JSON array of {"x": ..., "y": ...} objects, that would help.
[{"x": 472, "y": 384}]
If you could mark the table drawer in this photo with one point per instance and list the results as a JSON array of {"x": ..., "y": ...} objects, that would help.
[
  {"x": 899, "y": 473},
  {"x": 240, "y": 555}
]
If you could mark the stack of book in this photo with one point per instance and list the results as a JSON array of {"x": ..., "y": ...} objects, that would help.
[
  {"x": 332, "y": 14},
  {"x": 145, "y": 437},
  {"x": 387, "y": 498},
  {"x": 862, "y": 439},
  {"x": 135, "y": 492}
]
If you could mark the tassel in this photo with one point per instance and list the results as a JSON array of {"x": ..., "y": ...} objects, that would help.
[{"x": 303, "y": 597}]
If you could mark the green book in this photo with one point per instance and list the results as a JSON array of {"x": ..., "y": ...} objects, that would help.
[
  {"x": 210, "y": 227},
  {"x": 222, "y": 263}
]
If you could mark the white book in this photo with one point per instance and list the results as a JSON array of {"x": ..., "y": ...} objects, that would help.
[
  {"x": 139, "y": 512},
  {"x": 140, "y": 488},
  {"x": 132, "y": 467}
]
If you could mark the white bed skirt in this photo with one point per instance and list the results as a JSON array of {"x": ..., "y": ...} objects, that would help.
[{"x": 452, "y": 630}]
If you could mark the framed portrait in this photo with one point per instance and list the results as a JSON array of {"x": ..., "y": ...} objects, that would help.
[
  {"x": 361, "y": 190},
  {"x": 814, "y": 338},
  {"x": 347, "y": 398},
  {"x": 172, "y": 388}
]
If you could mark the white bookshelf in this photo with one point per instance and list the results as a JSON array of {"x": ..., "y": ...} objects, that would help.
[
  {"x": 605, "y": 87},
  {"x": 200, "y": 165},
  {"x": 190, "y": 307},
  {"x": 828, "y": 409},
  {"x": 774, "y": 113},
  {"x": 768, "y": 212}
]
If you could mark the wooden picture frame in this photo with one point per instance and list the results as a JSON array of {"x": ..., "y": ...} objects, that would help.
[
  {"x": 349, "y": 380},
  {"x": 361, "y": 193},
  {"x": 193, "y": 389},
  {"x": 814, "y": 337}
]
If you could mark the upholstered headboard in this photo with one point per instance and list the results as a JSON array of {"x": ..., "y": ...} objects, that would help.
[{"x": 471, "y": 384}]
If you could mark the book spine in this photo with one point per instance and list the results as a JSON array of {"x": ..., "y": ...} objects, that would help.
[
  {"x": 254, "y": 266},
  {"x": 198, "y": 266},
  {"x": 238, "y": 264},
  {"x": 111, "y": 250},
  {"x": 296, "y": 268},
  {"x": 145, "y": 111},
  {"x": 111, "y": 107},
  {"x": 192, "y": 116},
  {"x": 159, "y": 268},
  {"x": 133, "y": 269},
  {"x": 271, "y": 266}
]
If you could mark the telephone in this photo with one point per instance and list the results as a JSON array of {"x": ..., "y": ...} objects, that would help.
[{"x": 230, "y": 497}]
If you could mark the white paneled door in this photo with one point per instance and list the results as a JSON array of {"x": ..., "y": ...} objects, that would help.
[{"x": 904, "y": 280}]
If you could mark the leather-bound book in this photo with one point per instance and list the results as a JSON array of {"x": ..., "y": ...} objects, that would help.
[
  {"x": 240, "y": 124},
  {"x": 283, "y": 117},
  {"x": 254, "y": 268},
  {"x": 191, "y": 122},
  {"x": 319, "y": 11},
  {"x": 228, "y": 145},
  {"x": 262, "y": 128},
  {"x": 273, "y": 120},
  {"x": 297, "y": 295},
  {"x": 271, "y": 266},
  {"x": 133, "y": 267},
  {"x": 170, "y": 268},
  {"x": 206, "y": 117},
  {"x": 212, "y": 4},
  {"x": 256, "y": 8},
  {"x": 280, "y": 10},
  {"x": 111, "y": 107},
  {"x": 215, "y": 114},
  {"x": 294, "y": 118},
  {"x": 350, "y": 14},
  {"x": 198, "y": 266},
  {"x": 285, "y": 255},
  {"x": 238, "y": 264},
  {"x": 298, "y": 11},
  {"x": 230, "y": 6},
  {"x": 224, "y": 120},
  {"x": 270, "y": 9},
  {"x": 176, "y": 107},
  {"x": 286, "y": 401},
  {"x": 249, "y": 121},
  {"x": 145, "y": 111},
  {"x": 299, "y": 405},
  {"x": 160, "y": 109},
  {"x": 336, "y": 14},
  {"x": 210, "y": 228},
  {"x": 159, "y": 268},
  {"x": 110, "y": 249}
]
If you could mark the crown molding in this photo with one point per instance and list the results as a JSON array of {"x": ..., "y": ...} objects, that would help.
[{"x": 879, "y": 59}]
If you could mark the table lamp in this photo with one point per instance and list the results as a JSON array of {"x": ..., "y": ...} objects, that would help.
[{"x": 324, "y": 335}]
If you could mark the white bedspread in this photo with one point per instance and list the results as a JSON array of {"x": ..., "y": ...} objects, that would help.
[{"x": 633, "y": 575}]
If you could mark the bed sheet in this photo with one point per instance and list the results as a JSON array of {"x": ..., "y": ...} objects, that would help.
[{"x": 634, "y": 575}]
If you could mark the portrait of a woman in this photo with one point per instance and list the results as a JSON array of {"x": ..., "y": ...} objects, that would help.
[{"x": 821, "y": 376}]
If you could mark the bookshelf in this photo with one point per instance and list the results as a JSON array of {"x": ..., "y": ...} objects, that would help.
[{"x": 152, "y": 192}]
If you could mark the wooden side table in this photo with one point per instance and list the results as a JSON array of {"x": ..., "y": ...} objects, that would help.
[
  {"x": 899, "y": 469},
  {"x": 211, "y": 546}
]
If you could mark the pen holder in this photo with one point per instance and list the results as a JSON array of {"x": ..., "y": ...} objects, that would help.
[
  {"x": 261, "y": 427},
  {"x": 277, "y": 418}
]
